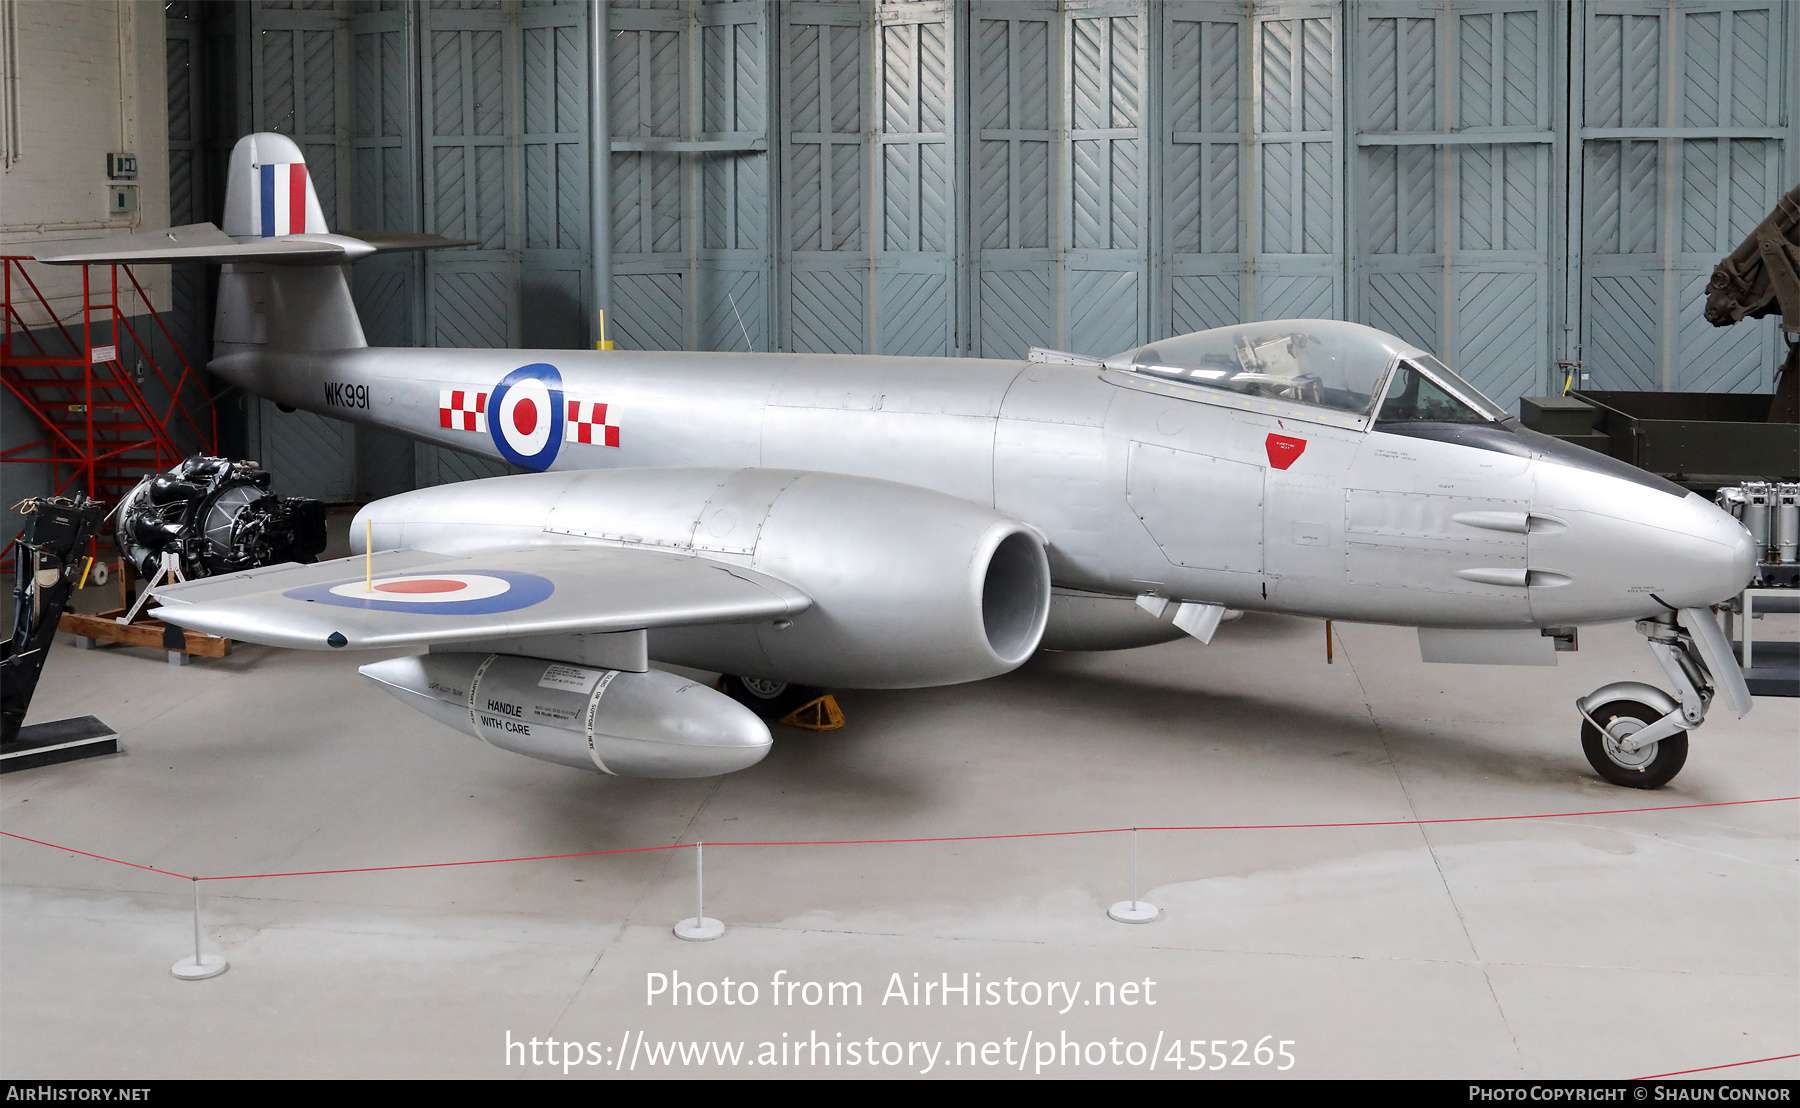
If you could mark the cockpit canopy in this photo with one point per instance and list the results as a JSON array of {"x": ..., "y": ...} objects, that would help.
[
  {"x": 1423, "y": 390},
  {"x": 1325, "y": 363}
]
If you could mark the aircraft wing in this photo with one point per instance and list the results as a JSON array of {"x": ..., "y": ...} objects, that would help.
[{"x": 420, "y": 599}]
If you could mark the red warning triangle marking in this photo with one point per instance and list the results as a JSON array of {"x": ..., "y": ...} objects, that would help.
[{"x": 1284, "y": 451}]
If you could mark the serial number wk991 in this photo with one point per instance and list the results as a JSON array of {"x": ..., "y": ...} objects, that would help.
[{"x": 341, "y": 395}]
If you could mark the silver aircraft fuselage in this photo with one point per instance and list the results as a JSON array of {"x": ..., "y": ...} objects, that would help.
[{"x": 1137, "y": 486}]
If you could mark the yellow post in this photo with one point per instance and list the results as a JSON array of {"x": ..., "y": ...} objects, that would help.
[
  {"x": 604, "y": 343},
  {"x": 369, "y": 558}
]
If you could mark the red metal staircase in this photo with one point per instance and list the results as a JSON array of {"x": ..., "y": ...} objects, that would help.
[{"x": 102, "y": 426}]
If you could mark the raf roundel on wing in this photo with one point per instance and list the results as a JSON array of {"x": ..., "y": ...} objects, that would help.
[{"x": 469, "y": 592}]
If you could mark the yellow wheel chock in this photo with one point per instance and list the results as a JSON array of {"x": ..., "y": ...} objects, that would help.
[{"x": 822, "y": 714}]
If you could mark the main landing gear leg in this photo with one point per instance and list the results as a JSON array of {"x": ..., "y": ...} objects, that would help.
[{"x": 1636, "y": 735}]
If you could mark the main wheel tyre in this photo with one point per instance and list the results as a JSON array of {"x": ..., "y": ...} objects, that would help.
[
  {"x": 1650, "y": 768},
  {"x": 767, "y": 698}
]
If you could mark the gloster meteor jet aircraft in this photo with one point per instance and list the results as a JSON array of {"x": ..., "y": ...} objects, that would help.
[{"x": 896, "y": 522}]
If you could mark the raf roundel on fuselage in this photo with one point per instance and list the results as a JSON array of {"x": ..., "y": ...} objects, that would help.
[{"x": 525, "y": 416}]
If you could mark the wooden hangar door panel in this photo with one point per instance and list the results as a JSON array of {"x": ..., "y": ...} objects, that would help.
[{"x": 1204, "y": 512}]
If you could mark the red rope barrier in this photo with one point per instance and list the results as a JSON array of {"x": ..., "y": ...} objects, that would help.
[
  {"x": 437, "y": 865},
  {"x": 1726, "y": 1066},
  {"x": 929, "y": 839},
  {"x": 1474, "y": 819},
  {"x": 102, "y": 857}
]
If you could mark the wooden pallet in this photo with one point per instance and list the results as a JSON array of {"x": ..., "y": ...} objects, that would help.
[{"x": 154, "y": 633}]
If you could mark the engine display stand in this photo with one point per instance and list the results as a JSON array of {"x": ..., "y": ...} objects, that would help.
[
  {"x": 91, "y": 631},
  {"x": 182, "y": 646}
]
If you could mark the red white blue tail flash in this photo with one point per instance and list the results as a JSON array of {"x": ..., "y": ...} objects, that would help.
[{"x": 285, "y": 202}]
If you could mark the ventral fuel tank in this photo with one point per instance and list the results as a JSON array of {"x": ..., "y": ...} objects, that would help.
[{"x": 651, "y": 724}]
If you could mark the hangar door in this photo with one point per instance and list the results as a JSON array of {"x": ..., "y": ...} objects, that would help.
[
  {"x": 1680, "y": 156},
  {"x": 297, "y": 61},
  {"x": 1514, "y": 184},
  {"x": 1455, "y": 149},
  {"x": 464, "y": 117}
]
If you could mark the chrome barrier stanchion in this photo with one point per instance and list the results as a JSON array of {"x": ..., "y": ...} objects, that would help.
[
  {"x": 1134, "y": 910},
  {"x": 200, "y": 966},
  {"x": 699, "y": 929}
]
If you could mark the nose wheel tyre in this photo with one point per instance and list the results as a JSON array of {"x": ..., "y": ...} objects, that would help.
[
  {"x": 1652, "y": 767},
  {"x": 767, "y": 698}
]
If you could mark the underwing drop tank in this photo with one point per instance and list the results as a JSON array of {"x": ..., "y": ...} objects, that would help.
[{"x": 650, "y": 724}]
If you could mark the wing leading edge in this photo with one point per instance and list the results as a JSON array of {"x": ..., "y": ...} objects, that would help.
[{"x": 422, "y": 599}]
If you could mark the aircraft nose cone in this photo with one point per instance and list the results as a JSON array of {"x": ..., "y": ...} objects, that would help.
[
  {"x": 1744, "y": 558},
  {"x": 1716, "y": 569},
  {"x": 1628, "y": 544}
]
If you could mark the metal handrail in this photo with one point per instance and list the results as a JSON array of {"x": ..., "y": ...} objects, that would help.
[
  {"x": 100, "y": 447},
  {"x": 187, "y": 367}
]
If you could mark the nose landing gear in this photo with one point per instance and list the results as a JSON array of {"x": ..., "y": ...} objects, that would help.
[
  {"x": 1635, "y": 734},
  {"x": 1606, "y": 739}
]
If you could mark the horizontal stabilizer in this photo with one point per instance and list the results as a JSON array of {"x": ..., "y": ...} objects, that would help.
[
  {"x": 205, "y": 243},
  {"x": 421, "y": 599},
  {"x": 387, "y": 241},
  {"x": 196, "y": 242}
]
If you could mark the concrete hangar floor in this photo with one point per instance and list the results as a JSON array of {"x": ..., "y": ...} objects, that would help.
[{"x": 1615, "y": 945}]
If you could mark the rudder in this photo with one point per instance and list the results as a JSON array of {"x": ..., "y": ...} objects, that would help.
[
  {"x": 269, "y": 194},
  {"x": 268, "y": 190}
]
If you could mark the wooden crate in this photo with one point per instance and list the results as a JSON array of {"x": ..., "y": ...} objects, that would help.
[{"x": 153, "y": 633}]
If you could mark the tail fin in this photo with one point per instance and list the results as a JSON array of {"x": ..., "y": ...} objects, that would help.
[
  {"x": 269, "y": 195},
  {"x": 268, "y": 192},
  {"x": 283, "y": 285}
]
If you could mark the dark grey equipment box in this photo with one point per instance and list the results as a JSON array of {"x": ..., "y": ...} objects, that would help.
[
  {"x": 1566, "y": 418},
  {"x": 1699, "y": 439}
]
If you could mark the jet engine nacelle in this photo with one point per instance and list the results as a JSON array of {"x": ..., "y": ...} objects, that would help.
[
  {"x": 910, "y": 587},
  {"x": 652, "y": 724}
]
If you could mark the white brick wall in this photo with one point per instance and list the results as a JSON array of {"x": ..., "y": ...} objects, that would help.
[{"x": 90, "y": 79}]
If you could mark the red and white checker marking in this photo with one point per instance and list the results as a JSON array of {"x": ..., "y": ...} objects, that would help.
[
  {"x": 462, "y": 410},
  {"x": 587, "y": 423}
]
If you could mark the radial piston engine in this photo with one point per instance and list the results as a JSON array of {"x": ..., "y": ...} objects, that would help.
[
  {"x": 220, "y": 517},
  {"x": 650, "y": 724}
]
